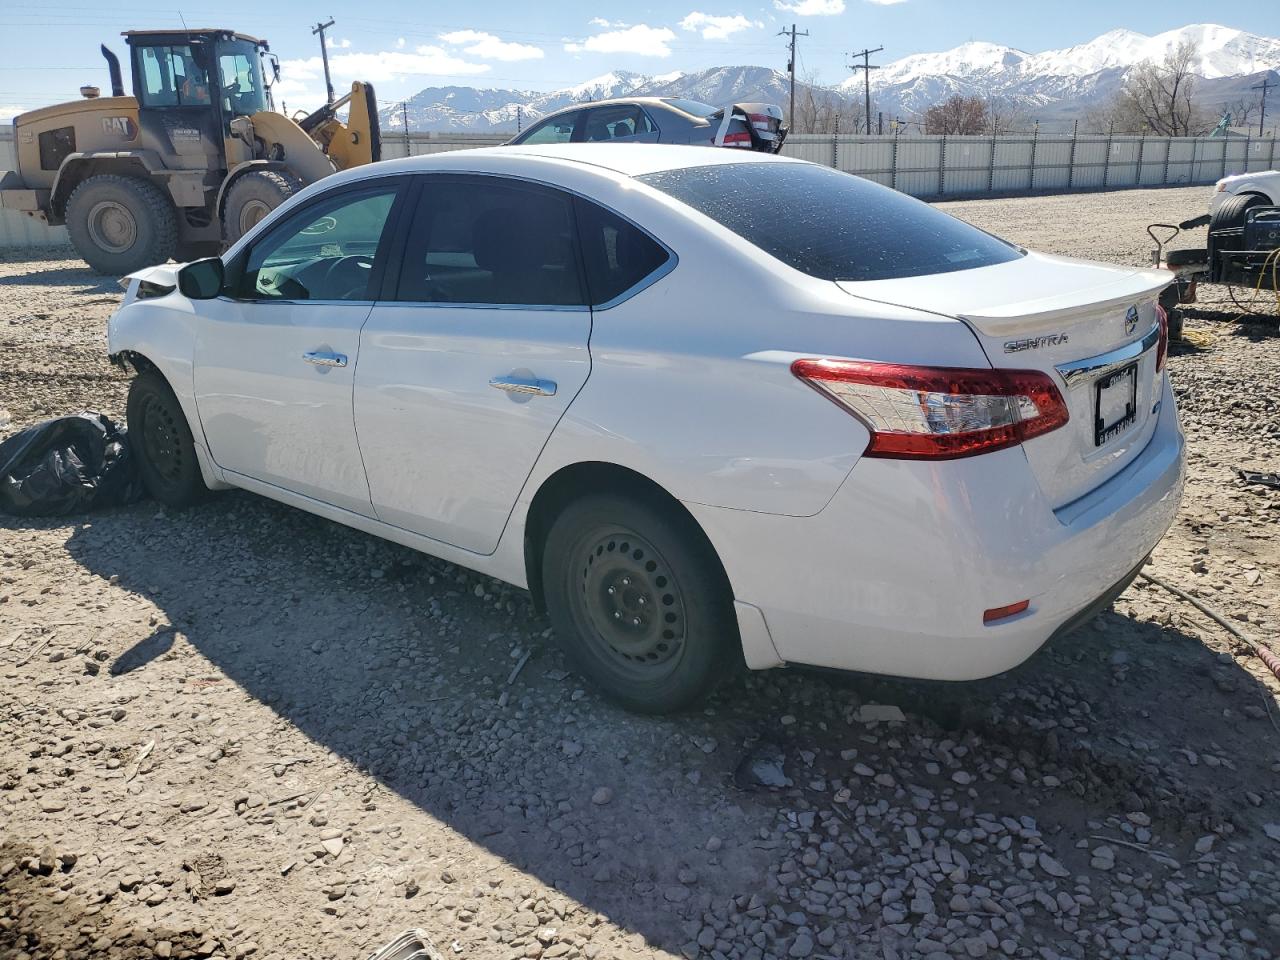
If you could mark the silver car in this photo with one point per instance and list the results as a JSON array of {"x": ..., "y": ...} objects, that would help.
[{"x": 752, "y": 126}]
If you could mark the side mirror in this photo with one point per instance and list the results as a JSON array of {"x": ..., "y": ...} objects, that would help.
[{"x": 202, "y": 279}]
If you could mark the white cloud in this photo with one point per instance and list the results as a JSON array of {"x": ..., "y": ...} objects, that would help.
[
  {"x": 489, "y": 47},
  {"x": 8, "y": 112},
  {"x": 343, "y": 44},
  {"x": 399, "y": 43},
  {"x": 717, "y": 28},
  {"x": 641, "y": 40},
  {"x": 302, "y": 81},
  {"x": 602, "y": 22},
  {"x": 811, "y": 8}
]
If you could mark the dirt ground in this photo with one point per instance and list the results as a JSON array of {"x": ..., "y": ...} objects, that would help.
[{"x": 243, "y": 731}]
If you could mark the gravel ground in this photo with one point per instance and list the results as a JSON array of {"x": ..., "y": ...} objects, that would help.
[{"x": 243, "y": 731}]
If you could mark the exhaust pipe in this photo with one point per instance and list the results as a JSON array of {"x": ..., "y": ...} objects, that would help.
[{"x": 113, "y": 68}]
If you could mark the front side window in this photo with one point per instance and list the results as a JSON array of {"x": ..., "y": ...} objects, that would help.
[
  {"x": 615, "y": 123},
  {"x": 831, "y": 225},
  {"x": 488, "y": 240},
  {"x": 240, "y": 79},
  {"x": 172, "y": 77},
  {"x": 325, "y": 253},
  {"x": 555, "y": 130}
]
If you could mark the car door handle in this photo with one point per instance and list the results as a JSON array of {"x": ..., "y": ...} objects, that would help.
[
  {"x": 322, "y": 359},
  {"x": 530, "y": 385}
]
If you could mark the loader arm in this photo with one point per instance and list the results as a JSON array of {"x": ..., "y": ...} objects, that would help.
[{"x": 350, "y": 144}]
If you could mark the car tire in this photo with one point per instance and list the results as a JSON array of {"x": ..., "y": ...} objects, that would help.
[
  {"x": 161, "y": 443},
  {"x": 1232, "y": 212},
  {"x": 252, "y": 197},
  {"x": 121, "y": 224},
  {"x": 639, "y": 601}
]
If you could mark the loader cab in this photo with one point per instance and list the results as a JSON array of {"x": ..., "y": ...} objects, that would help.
[{"x": 190, "y": 85}]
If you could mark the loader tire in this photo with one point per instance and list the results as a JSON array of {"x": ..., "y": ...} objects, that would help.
[
  {"x": 121, "y": 224},
  {"x": 252, "y": 197}
]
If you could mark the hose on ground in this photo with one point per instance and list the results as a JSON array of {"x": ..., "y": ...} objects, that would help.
[{"x": 1263, "y": 653}]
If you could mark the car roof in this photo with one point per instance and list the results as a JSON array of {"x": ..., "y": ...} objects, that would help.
[{"x": 629, "y": 159}]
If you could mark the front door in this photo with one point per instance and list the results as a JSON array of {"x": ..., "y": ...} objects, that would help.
[
  {"x": 275, "y": 360},
  {"x": 481, "y": 349}
]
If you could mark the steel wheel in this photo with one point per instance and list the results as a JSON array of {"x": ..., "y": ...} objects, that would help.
[
  {"x": 639, "y": 600},
  {"x": 632, "y": 602},
  {"x": 161, "y": 441},
  {"x": 112, "y": 227},
  {"x": 251, "y": 214}
]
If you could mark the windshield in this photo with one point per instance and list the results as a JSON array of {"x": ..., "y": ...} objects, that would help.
[
  {"x": 829, "y": 224},
  {"x": 692, "y": 107},
  {"x": 240, "y": 77}
]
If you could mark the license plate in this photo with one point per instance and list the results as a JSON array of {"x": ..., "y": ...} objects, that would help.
[{"x": 1115, "y": 404}]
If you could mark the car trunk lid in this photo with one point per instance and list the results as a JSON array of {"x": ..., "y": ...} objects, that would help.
[
  {"x": 751, "y": 126},
  {"x": 1091, "y": 327}
]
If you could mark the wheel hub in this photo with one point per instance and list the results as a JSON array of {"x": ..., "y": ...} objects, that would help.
[
  {"x": 251, "y": 215},
  {"x": 112, "y": 226},
  {"x": 633, "y": 602}
]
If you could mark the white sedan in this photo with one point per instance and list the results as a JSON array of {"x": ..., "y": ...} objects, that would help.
[
  {"x": 1234, "y": 195},
  {"x": 706, "y": 406}
]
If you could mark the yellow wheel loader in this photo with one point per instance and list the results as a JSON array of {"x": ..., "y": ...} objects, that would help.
[{"x": 187, "y": 164}]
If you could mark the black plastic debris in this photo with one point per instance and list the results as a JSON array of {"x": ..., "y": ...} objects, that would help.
[
  {"x": 1271, "y": 480},
  {"x": 67, "y": 465}
]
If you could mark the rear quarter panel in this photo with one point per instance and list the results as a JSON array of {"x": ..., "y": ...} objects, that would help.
[{"x": 691, "y": 383}]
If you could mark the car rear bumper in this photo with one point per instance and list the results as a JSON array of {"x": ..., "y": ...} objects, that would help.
[{"x": 894, "y": 575}]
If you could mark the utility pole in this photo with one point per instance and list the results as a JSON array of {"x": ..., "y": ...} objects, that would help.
[
  {"x": 320, "y": 28},
  {"x": 1262, "y": 114},
  {"x": 791, "y": 69},
  {"x": 866, "y": 66},
  {"x": 404, "y": 119}
]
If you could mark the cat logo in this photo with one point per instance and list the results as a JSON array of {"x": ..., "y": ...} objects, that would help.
[{"x": 122, "y": 127}]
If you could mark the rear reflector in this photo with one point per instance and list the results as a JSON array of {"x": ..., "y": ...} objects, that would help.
[
  {"x": 938, "y": 413},
  {"x": 1162, "y": 347},
  {"x": 1002, "y": 613}
]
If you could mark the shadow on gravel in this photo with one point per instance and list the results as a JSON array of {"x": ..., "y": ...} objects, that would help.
[
  {"x": 75, "y": 274},
  {"x": 400, "y": 663}
]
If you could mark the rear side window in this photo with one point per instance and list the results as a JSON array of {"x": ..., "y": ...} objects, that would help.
[
  {"x": 832, "y": 225},
  {"x": 616, "y": 254},
  {"x": 615, "y": 123},
  {"x": 492, "y": 241}
]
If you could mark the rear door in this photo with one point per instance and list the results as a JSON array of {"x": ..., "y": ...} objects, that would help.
[{"x": 476, "y": 351}]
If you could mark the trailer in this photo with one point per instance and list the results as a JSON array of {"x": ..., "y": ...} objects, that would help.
[{"x": 1242, "y": 253}]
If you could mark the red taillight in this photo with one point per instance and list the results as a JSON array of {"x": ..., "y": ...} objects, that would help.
[
  {"x": 737, "y": 139},
  {"x": 1003, "y": 613},
  {"x": 938, "y": 413},
  {"x": 1162, "y": 347}
]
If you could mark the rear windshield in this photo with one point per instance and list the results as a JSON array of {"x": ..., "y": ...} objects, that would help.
[
  {"x": 692, "y": 107},
  {"x": 832, "y": 225}
]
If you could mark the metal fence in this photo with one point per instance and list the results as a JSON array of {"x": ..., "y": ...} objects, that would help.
[{"x": 923, "y": 166}]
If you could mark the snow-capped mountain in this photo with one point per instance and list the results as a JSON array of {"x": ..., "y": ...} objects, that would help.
[
  {"x": 1062, "y": 79},
  {"x": 1053, "y": 84}
]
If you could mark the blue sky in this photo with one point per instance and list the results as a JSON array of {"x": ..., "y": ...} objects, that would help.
[{"x": 48, "y": 49}]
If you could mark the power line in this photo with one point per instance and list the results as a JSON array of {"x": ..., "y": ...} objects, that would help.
[
  {"x": 791, "y": 68},
  {"x": 866, "y": 66}
]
